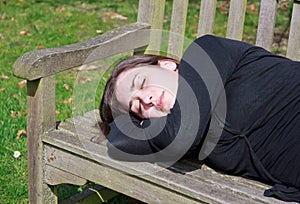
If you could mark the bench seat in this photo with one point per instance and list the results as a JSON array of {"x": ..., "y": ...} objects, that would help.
[{"x": 69, "y": 148}]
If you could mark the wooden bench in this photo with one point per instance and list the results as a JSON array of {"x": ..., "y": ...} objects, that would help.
[{"x": 64, "y": 153}]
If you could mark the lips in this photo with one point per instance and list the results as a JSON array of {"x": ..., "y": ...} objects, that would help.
[{"x": 160, "y": 101}]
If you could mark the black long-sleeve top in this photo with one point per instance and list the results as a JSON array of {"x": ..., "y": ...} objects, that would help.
[{"x": 237, "y": 109}]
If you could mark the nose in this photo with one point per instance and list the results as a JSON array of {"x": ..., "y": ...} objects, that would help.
[{"x": 147, "y": 99}]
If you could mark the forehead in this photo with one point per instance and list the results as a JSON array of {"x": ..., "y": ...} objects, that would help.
[{"x": 130, "y": 73}]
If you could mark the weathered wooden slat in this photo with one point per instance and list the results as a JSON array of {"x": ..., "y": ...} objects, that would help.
[
  {"x": 204, "y": 183},
  {"x": 266, "y": 24},
  {"x": 41, "y": 118},
  {"x": 54, "y": 176},
  {"x": 207, "y": 186},
  {"x": 45, "y": 62},
  {"x": 80, "y": 125},
  {"x": 236, "y": 19},
  {"x": 251, "y": 189},
  {"x": 206, "y": 17},
  {"x": 114, "y": 179},
  {"x": 177, "y": 29},
  {"x": 158, "y": 14},
  {"x": 145, "y": 11},
  {"x": 156, "y": 27},
  {"x": 293, "y": 49},
  {"x": 161, "y": 186}
]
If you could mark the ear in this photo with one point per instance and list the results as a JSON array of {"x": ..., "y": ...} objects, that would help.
[{"x": 167, "y": 64}]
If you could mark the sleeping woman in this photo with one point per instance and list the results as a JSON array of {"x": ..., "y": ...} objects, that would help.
[{"x": 232, "y": 105}]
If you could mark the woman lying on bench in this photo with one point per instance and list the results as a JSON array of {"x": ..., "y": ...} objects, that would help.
[{"x": 231, "y": 104}]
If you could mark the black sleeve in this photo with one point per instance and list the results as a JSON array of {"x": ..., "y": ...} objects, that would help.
[
  {"x": 154, "y": 139},
  {"x": 225, "y": 53},
  {"x": 131, "y": 140}
]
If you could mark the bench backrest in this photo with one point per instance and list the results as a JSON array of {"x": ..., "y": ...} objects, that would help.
[
  {"x": 40, "y": 66},
  {"x": 152, "y": 12}
]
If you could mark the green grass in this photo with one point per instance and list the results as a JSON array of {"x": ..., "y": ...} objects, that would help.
[
  {"x": 26, "y": 25},
  {"x": 46, "y": 24}
]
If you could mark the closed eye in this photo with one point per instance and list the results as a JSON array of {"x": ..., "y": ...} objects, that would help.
[{"x": 143, "y": 83}]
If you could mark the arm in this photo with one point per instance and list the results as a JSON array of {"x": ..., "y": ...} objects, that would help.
[
  {"x": 227, "y": 55},
  {"x": 131, "y": 140}
]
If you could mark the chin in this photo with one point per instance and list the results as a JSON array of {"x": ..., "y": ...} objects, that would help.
[{"x": 158, "y": 115}]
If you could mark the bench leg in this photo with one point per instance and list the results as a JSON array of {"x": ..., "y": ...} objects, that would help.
[
  {"x": 41, "y": 118},
  {"x": 38, "y": 191},
  {"x": 49, "y": 194}
]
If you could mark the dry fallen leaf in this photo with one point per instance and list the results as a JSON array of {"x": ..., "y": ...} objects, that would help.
[
  {"x": 4, "y": 77},
  {"x": 114, "y": 15},
  {"x": 57, "y": 112},
  {"x": 23, "y": 32},
  {"x": 87, "y": 67},
  {"x": 104, "y": 19},
  {"x": 223, "y": 8},
  {"x": 20, "y": 133},
  {"x": 251, "y": 7},
  {"x": 60, "y": 10},
  {"x": 41, "y": 46},
  {"x": 14, "y": 114},
  {"x": 68, "y": 102},
  {"x": 2, "y": 89},
  {"x": 98, "y": 31},
  {"x": 195, "y": 35},
  {"x": 285, "y": 7},
  {"x": 67, "y": 87},
  {"x": 22, "y": 83},
  {"x": 83, "y": 80}
]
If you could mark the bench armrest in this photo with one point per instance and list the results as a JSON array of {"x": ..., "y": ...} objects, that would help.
[{"x": 41, "y": 63}]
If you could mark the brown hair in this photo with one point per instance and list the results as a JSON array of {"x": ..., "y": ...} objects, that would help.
[{"x": 109, "y": 106}]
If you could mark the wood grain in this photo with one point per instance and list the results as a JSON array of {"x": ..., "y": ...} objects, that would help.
[
  {"x": 236, "y": 19},
  {"x": 266, "y": 24},
  {"x": 293, "y": 50},
  {"x": 41, "y": 63},
  {"x": 207, "y": 17}
]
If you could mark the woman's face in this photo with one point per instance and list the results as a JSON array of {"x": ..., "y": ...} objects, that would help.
[{"x": 148, "y": 91}]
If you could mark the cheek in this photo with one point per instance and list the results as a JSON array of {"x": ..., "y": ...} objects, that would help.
[
  {"x": 170, "y": 97},
  {"x": 122, "y": 98}
]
